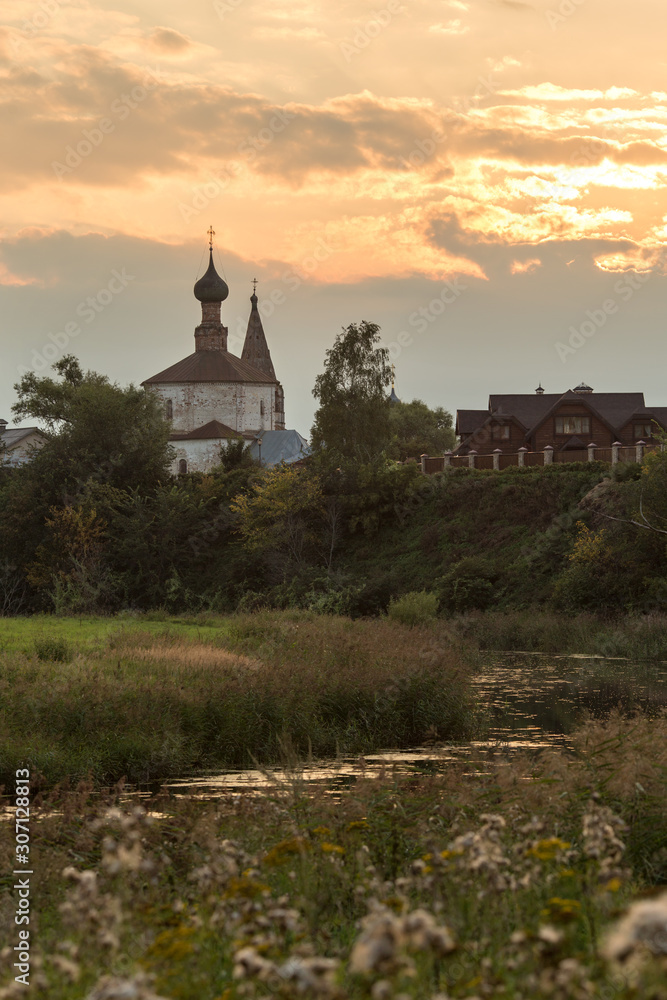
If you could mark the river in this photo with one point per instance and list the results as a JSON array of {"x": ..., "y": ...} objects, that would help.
[{"x": 533, "y": 701}]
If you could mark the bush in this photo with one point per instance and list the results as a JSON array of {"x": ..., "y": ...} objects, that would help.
[
  {"x": 414, "y": 608},
  {"x": 52, "y": 649},
  {"x": 468, "y": 586}
]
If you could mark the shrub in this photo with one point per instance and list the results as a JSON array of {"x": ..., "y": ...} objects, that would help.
[
  {"x": 414, "y": 608},
  {"x": 52, "y": 649},
  {"x": 468, "y": 586}
]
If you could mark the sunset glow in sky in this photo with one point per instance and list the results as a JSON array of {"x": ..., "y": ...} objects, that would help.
[{"x": 477, "y": 176}]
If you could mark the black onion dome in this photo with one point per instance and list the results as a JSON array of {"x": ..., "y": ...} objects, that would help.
[{"x": 211, "y": 287}]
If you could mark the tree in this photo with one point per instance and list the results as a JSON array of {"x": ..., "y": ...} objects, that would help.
[
  {"x": 97, "y": 430},
  {"x": 281, "y": 514},
  {"x": 418, "y": 430},
  {"x": 353, "y": 417}
]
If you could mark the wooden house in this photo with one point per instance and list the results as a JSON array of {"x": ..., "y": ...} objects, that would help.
[{"x": 570, "y": 421}]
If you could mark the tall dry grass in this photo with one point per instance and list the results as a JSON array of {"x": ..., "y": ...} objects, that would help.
[{"x": 149, "y": 708}]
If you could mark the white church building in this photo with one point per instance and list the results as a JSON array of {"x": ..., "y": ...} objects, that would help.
[{"x": 212, "y": 397}]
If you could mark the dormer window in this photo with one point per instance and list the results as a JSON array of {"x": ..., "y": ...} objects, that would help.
[
  {"x": 500, "y": 432},
  {"x": 643, "y": 431},
  {"x": 573, "y": 425}
]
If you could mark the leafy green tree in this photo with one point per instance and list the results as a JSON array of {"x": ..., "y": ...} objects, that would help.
[
  {"x": 353, "y": 416},
  {"x": 418, "y": 430},
  {"x": 96, "y": 429},
  {"x": 281, "y": 513},
  {"x": 235, "y": 454}
]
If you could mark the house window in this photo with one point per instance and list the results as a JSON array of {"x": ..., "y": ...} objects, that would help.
[
  {"x": 643, "y": 431},
  {"x": 261, "y": 407},
  {"x": 500, "y": 432},
  {"x": 182, "y": 467},
  {"x": 168, "y": 409},
  {"x": 573, "y": 425}
]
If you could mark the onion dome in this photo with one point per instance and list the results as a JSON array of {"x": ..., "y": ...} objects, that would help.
[{"x": 211, "y": 287}]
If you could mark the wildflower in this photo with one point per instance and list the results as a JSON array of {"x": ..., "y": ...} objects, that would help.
[
  {"x": 562, "y": 909},
  {"x": 546, "y": 850},
  {"x": 332, "y": 848},
  {"x": 250, "y": 964},
  {"x": 357, "y": 824},
  {"x": 377, "y": 948},
  {"x": 67, "y": 966},
  {"x": 316, "y": 974},
  {"x": 549, "y": 935},
  {"x": 644, "y": 927},
  {"x": 601, "y": 841},
  {"x": 114, "y": 988}
]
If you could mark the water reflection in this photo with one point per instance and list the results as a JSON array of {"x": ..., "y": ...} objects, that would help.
[{"x": 533, "y": 702}]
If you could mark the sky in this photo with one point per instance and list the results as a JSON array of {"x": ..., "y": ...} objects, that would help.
[{"x": 484, "y": 179}]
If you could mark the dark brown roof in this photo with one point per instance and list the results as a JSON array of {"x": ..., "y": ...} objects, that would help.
[
  {"x": 211, "y": 366},
  {"x": 213, "y": 429},
  {"x": 467, "y": 421},
  {"x": 616, "y": 408}
]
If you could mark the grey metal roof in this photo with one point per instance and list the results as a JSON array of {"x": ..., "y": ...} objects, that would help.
[
  {"x": 279, "y": 446},
  {"x": 13, "y": 436}
]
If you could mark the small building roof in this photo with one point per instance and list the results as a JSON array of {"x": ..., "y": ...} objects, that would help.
[
  {"x": 279, "y": 446},
  {"x": 211, "y": 431},
  {"x": 12, "y": 436}
]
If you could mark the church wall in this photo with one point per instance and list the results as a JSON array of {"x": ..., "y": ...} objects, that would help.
[
  {"x": 200, "y": 455},
  {"x": 236, "y": 404}
]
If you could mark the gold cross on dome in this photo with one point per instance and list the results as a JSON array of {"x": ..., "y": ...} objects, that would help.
[{"x": 210, "y": 232}]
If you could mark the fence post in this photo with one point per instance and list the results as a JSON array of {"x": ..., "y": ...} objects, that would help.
[
  {"x": 591, "y": 452},
  {"x": 496, "y": 457},
  {"x": 639, "y": 451},
  {"x": 548, "y": 455},
  {"x": 423, "y": 461},
  {"x": 471, "y": 459},
  {"x": 448, "y": 459},
  {"x": 614, "y": 452},
  {"x": 522, "y": 456}
]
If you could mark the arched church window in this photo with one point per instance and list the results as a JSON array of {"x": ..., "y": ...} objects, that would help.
[
  {"x": 182, "y": 467},
  {"x": 169, "y": 409},
  {"x": 261, "y": 407}
]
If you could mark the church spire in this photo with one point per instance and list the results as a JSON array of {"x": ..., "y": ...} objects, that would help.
[{"x": 255, "y": 348}]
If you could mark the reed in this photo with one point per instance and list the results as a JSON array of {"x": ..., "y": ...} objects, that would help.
[{"x": 148, "y": 707}]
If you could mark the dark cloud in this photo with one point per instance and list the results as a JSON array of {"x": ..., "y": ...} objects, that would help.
[{"x": 169, "y": 42}]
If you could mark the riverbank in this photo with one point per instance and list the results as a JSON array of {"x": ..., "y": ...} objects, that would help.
[
  {"x": 516, "y": 882},
  {"x": 637, "y": 637},
  {"x": 155, "y": 699}
]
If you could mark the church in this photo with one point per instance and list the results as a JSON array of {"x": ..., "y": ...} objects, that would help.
[{"x": 212, "y": 397}]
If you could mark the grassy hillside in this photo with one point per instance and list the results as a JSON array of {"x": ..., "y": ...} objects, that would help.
[{"x": 488, "y": 539}]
